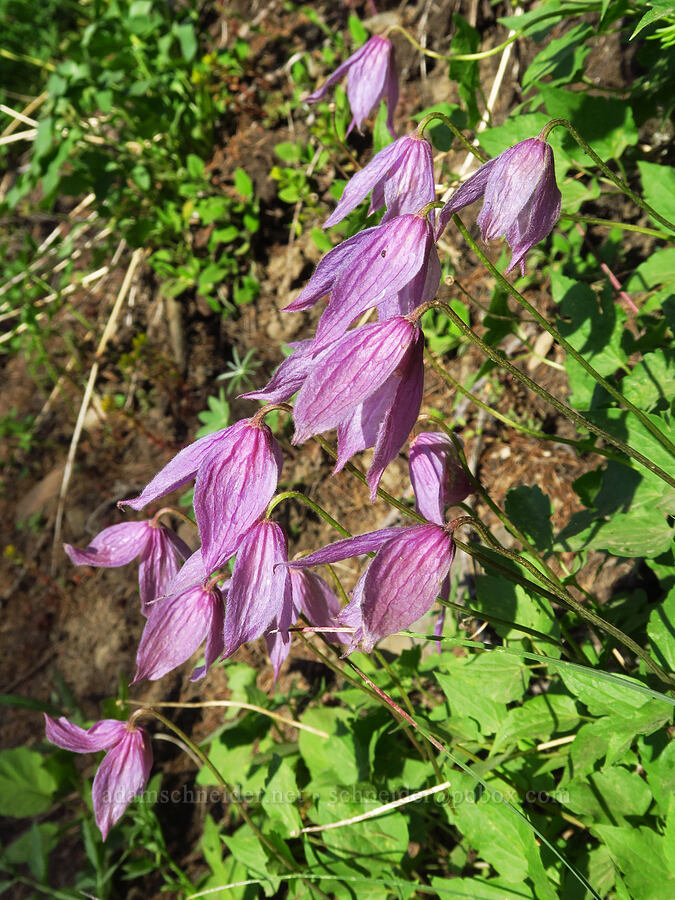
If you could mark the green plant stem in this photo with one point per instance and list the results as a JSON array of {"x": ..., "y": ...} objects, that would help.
[
  {"x": 372, "y": 692},
  {"x": 454, "y": 129},
  {"x": 511, "y": 423},
  {"x": 411, "y": 709},
  {"x": 222, "y": 783},
  {"x": 319, "y": 510},
  {"x": 624, "y": 226},
  {"x": 619, "y": 182},
  {"x": 561, "y": 407},
  {"x": 556, "y": 595},
  {"x": 455, "y": 57},
  {"x": 568, "y": 348}
]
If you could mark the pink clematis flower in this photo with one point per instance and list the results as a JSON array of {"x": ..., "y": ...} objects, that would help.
[
  {"x": 366, "y": 271},
  {"x": 401, "y": 177},
  {"x": 399, "y": 585},
  {"x": 158, "y": 547},
  {"x": 371, "y": 77},
  {"x": 521, "y": 198},
  {"x": 436, "y": 475},
  {"x": 178, "y": 624},
  {"x": 237, "y": 470},
  {"x": 126, "y": 766}
]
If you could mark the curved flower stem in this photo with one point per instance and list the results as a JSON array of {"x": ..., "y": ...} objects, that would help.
[
  {"x": 567, "y": 347},
  {"x": 170, "y": 511},
  {"x": 230, "y": 704},
  {"x": 454, "y": 57},
  {"x": 560, "y": 595},
  {"x": 555, "y": 593},
  {"x": 511, "y": 423},
  {"x": 454, "y": 129},
  {"x": 624, "y": 226},
  {"x": 319, "y": 510},
  {"x": 411, "y": 709},
  {"x": 619, "y": 182},
  {"x": 222, "y": 783}
]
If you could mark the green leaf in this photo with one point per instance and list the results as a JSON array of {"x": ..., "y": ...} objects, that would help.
[
  {"x": 608, "y": 795},
  {"x": 466, "y": 40},
  {"x": 639, "y": 533},
  {"x": 640, "y": 853},
  {"x": 606, "y": 124},
  {"x": 33, "y": 848},
  {"x": 501, "y": 837},
  {"x": 334, "y": 757},
  {"x": 538, "y": 719},
  {"x": 243, "y": 183},
  {"x": 195, "y": 166},
  {"x": 603, "y": 696},
  {"x": 246, "y": 849},
  {"x": 281, "y": 795},
  {"x": 658, "y": 185},
  {"x": 530, "y": 510},
  {"x": 357, "y": 31},
  {"x": 27, "y": 786},
  {"x": 561, "y": 60},
  {"x": 187, "y": 40},
  {"x": 651, "y": 384},
  {"x": 661, "y": 631},
  {"x": 661, "y": 9}
]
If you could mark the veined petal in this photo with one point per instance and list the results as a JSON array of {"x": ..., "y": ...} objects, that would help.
[
  {"x": 174, "y": 630},
  {"x": 392, "y": 256},
  {"x": 121, "y": 776},
  {"x": 190, "y": 574},
  {"x": 159, "y": 564},
  {"x": 323, "y": 278},
  {"x": 345, "y": 549},
  {"x": 337, "y": 74},
  {"x": 178, "y": 471},
  {"x": 287, "y": 379},
  {"x": 436, "y": 475},
  {"x": 401, "y": 416},
  {"x": 403, "y": 581},
  {"x": 391, "y": 91},
  {"x": 363, "y": 182},
  {"x": 348, "y": 372},
  {"x": 215, "y": 639},
  {"x": 360, "y": 429},
  {"x": 101, "y": 736},
  {"x": 411, "y": 185},
  {"x": 367, "y": 79},
  {"x": 234, "y": 486},
  {"x": 421, "y": 289},
  {"x": 465, "y": 195},
  {"x": 313, "y": 597},
  {"x": 260, "y": 585},
  {"x": 114, "y": 546}
]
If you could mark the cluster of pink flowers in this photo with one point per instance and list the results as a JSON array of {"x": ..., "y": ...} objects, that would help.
[{"x": 366, "y": 382}]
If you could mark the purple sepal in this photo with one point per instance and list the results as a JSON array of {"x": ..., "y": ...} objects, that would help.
[
  {"x": 403, "y": 580},
  {"x": 159, "y": 564},
  {"x": 175, "y": 629},
  {"x": 288, "y": 377},
  {"x": 400, "y": 176},
  {"x": 178, "y": 471},
  {"x": 234, "y": 485},
  {"x": 436, "y": 475},
  {"x": 353, "y": 546},
  {"x": 101, "y": 736},
  {"x": 521, "y": 198},
  {"x": 348, "y": 372},
  {"x": 313, "y": 597},
  {"x": 371, "y": 76},
  {"x": 401, "y": 415},
  {"x": 124, "y": 771},
  {"x": 260, "y": 586},
  {"x": 114, "y": 546}
]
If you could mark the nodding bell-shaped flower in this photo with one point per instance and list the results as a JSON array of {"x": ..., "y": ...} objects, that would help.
[
  {"x": 399, "y": 585},
  {"x": 436, "y": 475},
  {"x": 371, "y": 77},
  {"x": 311, "y": 597},
  {"x": 521, "y": 200},
  {"x": 126, "y": 766},
  {"x": 158, "y": 547},
  {"x": 368, "y": 385},
  {"x": 401, "y": 178},
  {"x": 237, "y": 470},
  {"x": 260, "y": 591},
  {"x": 179, "y": 623},
  {"x": 365, "y": 270}
]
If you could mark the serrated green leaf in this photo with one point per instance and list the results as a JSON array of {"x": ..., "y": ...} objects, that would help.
[
  {"x": 640, "y": 855},
  {"x": 538, "y": 719},
  {"x": 661, "y": 631},
  {"x": 608, "y": 795},
  {"x": 27, "y": 786},
  {"x": 530, "y": 510},
  {"x": 658, "y": 187}
]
